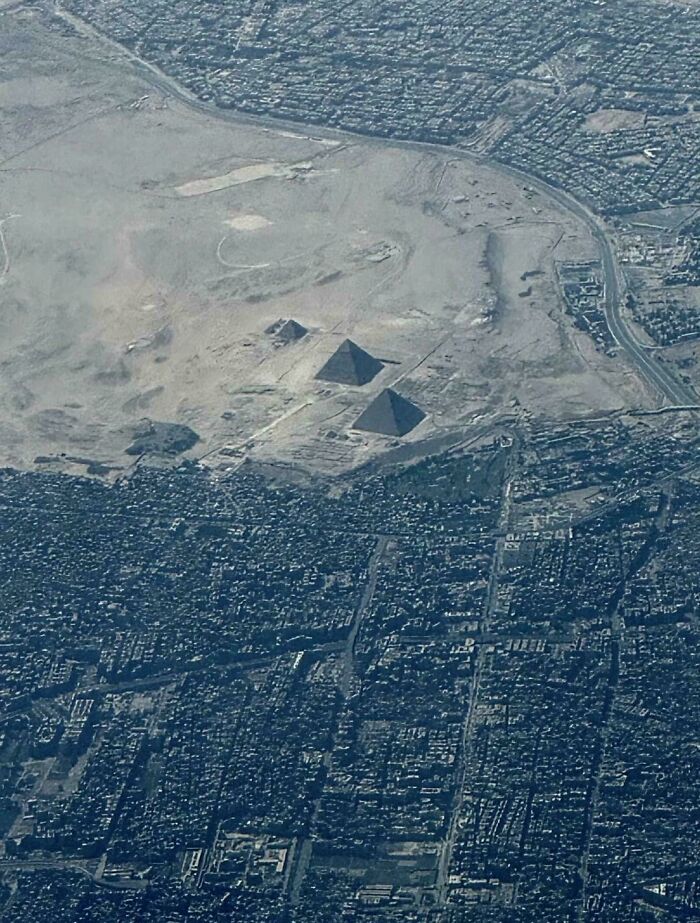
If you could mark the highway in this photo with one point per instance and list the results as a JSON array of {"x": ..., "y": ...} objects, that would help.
[
  {"x": 661, "y": 379},
  {"x": 656, "y": 374}
]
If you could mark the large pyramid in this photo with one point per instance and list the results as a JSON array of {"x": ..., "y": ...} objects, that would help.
[
  {"x": 390, "y": 414},
  {"x": 350, "y": 365}
]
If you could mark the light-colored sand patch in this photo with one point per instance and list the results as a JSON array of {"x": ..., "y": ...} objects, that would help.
[
  {"x": 247, "y": 222},
  {"x": 247, "y": 174},
  {"x": 637, "y": 160},
  {"x": 605, "y": 121},
  {"x": 326, "y": 142}
]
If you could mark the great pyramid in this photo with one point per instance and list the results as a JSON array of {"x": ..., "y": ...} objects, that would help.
[
  {"x": 390, "y": 414},
  {"x": 350, "y": 365}
]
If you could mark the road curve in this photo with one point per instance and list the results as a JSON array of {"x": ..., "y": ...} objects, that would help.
[
  {"x": 661, "y": 378},
  {"x": 654, "y": 372}
]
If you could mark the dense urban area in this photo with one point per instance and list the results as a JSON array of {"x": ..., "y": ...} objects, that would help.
[
  {"x": 464, "y": 690},
  {"x": 459, "y": 690}
]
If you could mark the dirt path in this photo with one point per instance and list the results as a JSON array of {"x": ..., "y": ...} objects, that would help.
[{"x": 4, "y": 252}]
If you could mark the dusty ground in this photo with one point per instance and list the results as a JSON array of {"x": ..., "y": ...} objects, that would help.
[
  {"x": 609, "y": 120},
  {"x": 145, "y": 247}
]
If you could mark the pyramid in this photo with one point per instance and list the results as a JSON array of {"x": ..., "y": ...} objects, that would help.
[
  {"x": 390, "y": 414},
  {"x": 286, "y": 331},
  {"x": 290, "y": 331},
  {"x": 350, "y": 365}
]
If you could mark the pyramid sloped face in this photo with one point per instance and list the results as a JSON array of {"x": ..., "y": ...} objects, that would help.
[
  {"x": 290, "y": 331},
  {"x": 286, "y": 330},
  {"x": 390, "y": 414},
  {"x": 350, "y": 365}
]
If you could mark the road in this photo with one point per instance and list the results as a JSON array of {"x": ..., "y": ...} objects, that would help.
[
  {"x": 348, "y": 657},
  {"x": 657, "y": 375},
  {"x": 490, "y": 603},
  {"x": 303, "y": 846},
  {"x": 4, "y": 252}
]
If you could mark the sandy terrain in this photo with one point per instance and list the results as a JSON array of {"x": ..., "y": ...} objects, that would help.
[
  {"x": 241, "y": 175},
  {"x": 605, "y": 121},
  {"x": 150, "y": 246}
]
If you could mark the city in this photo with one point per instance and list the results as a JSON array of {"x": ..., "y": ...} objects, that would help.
[
  {"x": 420, "y": 706},
  {"x": 387, "y": 607}
]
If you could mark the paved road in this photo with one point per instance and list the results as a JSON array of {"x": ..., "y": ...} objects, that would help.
[
  {"x": 348, "y": 656},
  {"x": 661, "y": 378},
  {"x": 653, "y": 371},
  {"x": 490, "y": 604}
]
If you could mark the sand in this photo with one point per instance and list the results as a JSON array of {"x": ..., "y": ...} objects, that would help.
[{"x": 154, "y": 245}]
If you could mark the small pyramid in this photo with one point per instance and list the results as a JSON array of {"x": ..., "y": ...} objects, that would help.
[
  {"x": 390, "y": 414},
  {"x": 286, "y": 330},
  {"x": 290, "y": 330},
  {"x": 350, "y": 365}
]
